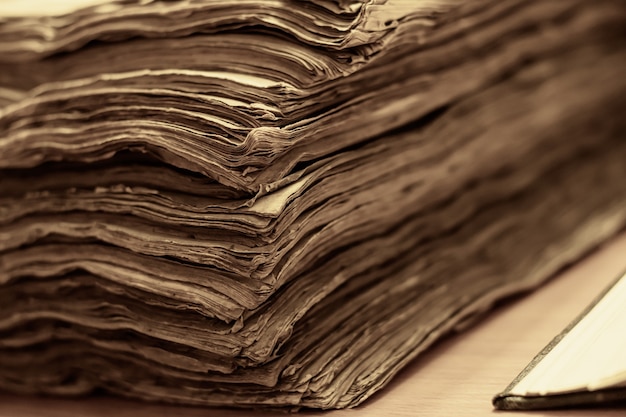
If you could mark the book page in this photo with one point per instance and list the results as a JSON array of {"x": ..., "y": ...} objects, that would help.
[{"x": 589, "y": 357}]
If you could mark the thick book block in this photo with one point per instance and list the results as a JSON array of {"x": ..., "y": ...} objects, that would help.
[{"x": 280, "y": 203}]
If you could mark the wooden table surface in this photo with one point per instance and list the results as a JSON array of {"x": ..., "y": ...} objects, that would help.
[{"x": 457, "y": 377}]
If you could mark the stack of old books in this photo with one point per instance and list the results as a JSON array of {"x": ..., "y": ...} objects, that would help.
[{"x": 279, "y": 203}]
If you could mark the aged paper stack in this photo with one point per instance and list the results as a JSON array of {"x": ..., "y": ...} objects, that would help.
[{"x": 279, "y": 203}]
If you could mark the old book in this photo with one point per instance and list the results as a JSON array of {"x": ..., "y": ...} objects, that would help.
[
  {"x": 584, "y": 365},
  {"x": 280, "y": 203}
]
